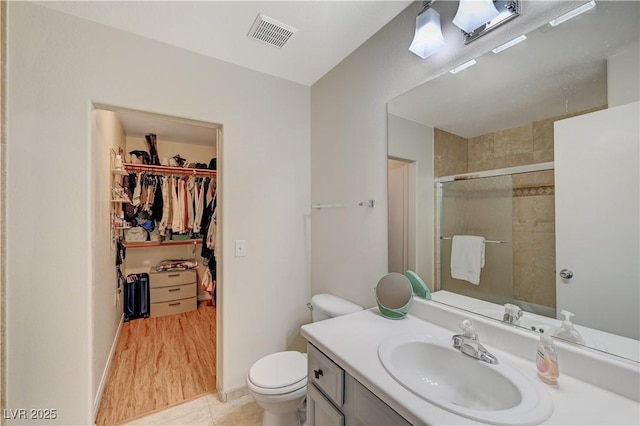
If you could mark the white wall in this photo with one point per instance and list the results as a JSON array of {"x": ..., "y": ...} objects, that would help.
[
  {"x": 348, "y": 137},
  {"x": 58, "y": 66},
  {"x": 107, "y": 301},
  {"x": 623, "y": 84},
  {"x": 413, "y": 141}
]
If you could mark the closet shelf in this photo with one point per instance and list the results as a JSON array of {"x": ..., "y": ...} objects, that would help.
[
  {"x": 119, "y": 172},
  {"x": 161, "y": 243},
  {"x": 168, "y": 170}
]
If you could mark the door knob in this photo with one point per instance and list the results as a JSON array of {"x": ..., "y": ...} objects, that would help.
[{"x": 566, "y": 274}]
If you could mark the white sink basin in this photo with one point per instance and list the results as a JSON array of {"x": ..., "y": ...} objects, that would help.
[{"x": 432, "y": 369}]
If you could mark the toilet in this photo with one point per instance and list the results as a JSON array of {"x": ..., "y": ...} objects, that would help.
[{"x": 278, "y": 382}]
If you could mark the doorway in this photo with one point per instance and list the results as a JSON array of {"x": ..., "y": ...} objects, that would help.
[
  {"x": 401, "y": 215},
  {"x": 166, "y": 355}
]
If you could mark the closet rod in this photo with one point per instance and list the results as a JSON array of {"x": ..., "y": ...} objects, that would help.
[
  {"x": 368, "y": 203},
  {"x": 169, "y": 170}
]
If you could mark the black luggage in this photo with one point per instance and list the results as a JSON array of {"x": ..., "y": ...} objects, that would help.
[{"x": 136, "y": 297}]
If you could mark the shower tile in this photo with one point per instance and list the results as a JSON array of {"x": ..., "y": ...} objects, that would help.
[
  {"x": 481, "y": 148},
  {"x": 543, "y": 135},
  {"x": 513, "y": 141}
]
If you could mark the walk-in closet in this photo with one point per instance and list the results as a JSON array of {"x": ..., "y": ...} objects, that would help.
[{"x": 156, "y": 202}]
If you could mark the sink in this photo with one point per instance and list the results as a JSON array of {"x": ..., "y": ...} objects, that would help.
[{"x": 432, "y": 369}]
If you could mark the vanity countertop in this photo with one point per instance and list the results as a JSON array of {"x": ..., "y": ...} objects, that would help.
[{"x": 352, "y": 342}]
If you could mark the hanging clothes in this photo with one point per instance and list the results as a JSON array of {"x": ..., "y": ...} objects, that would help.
[{"x": 176, "y": 222}]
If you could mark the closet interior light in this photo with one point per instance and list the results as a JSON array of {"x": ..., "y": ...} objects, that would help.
[
  {"x": 427, "y": 38},
  {"x": 463, "y": 66},
  {"x": 509, "y": 44},
  {"x": 573, "y": 13}
]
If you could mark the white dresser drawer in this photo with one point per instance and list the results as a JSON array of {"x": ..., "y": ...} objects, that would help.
[
  {"x": 173, "y": 307},
  {"x": 168, "y": 279},
  {"x": 326, "y": 375},
  {"x": 165, "y": 294}
]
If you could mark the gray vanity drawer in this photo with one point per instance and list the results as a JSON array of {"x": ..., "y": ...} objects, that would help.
[{"x": 326, "y": 375}]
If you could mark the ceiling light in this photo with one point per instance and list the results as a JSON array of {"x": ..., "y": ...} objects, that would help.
[
  {"x": 427, "y": 38},
  {"x": 463, "y": 66},
  {"x": 472, "y": 14},
  {"x": 573, "y": 13},
  {"x": 509, "y": 44}
]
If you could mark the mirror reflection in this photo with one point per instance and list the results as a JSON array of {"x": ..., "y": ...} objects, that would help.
[{"x": 502, "y": 151}]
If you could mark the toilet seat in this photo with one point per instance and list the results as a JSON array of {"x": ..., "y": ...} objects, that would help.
[{"x": 278, "y": 373}]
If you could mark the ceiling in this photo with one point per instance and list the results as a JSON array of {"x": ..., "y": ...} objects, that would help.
[
  {"x": 328, "y": 31},
  {"x": 555, "y": 71}
]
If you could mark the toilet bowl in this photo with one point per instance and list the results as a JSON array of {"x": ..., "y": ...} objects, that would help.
[{"x": 278, "y": 382}]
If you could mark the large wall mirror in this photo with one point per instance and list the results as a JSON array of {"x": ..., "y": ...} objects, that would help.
[{"x": 525, "y": 149}]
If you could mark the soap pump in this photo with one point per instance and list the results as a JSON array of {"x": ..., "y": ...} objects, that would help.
[{"x": 567, "y": 331}]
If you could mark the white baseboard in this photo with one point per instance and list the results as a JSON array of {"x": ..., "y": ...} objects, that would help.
[
  {"x": 105, "y": 374},
  {"x": 233, "y": 394}
]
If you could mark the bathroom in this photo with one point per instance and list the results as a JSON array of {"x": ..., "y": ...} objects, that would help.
[{"x": 333, "y": 141}]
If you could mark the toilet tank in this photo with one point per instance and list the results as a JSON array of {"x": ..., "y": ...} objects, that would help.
[{"x": 325, "y": 306}]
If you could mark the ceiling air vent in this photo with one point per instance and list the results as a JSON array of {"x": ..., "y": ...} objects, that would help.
[{"x": 270, "y": 31}]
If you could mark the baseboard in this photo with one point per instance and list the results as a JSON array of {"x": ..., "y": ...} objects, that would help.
[
  {"x": 234, "y": 394},
  {"x": 105, "y": 374}
]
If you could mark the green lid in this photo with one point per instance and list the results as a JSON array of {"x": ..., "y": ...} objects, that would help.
[{"x": 419, "y": 287}]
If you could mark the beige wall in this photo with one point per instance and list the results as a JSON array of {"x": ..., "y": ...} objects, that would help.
[
  {"x": 3, "y": 173},
  {"x": 107, "y": 300},
  {"x": 51, "y": 341}
]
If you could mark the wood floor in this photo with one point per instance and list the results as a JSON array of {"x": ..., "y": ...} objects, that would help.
[{"x": 158, "y": 363}]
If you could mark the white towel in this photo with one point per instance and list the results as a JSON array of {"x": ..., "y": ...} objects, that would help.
[{"x": 467, "y": 257}]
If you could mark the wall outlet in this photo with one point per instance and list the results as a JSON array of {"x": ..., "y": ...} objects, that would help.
[{"x": 241, "y": 248}]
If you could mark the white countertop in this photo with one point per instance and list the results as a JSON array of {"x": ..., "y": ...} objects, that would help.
[{"x": 352, "y": 342}]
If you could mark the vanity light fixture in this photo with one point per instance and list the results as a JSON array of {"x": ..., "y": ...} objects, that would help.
[
  {"x": 427, "y": 38},
  {"x": 572, "y": 13},
  {"x": 506, "y": 11},
  {"x": 463, "y": 66},
  {"x": 509, "y": 44},
  {"x": 472, "y": 14}
]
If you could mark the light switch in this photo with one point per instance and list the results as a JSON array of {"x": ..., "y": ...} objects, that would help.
[{"x": 241, "y": 248}]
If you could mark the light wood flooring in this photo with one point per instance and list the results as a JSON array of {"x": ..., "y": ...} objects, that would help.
[{"x": 158, "y": 363}]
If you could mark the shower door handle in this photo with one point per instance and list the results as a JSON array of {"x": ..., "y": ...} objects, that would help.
[{"x": 566, "y": 274}]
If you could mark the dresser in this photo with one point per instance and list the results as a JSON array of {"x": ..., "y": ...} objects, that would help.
[{"x": 173, "y": 292}]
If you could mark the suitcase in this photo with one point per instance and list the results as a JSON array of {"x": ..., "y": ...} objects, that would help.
[{"x": 136, "y": 297}]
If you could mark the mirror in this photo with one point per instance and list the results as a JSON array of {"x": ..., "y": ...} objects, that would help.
[
  {"x": 496, "y": 120},
  {"x": 394, "y": 295}
]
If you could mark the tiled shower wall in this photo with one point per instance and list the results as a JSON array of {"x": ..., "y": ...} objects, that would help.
[{"x": 533, "y": 196}]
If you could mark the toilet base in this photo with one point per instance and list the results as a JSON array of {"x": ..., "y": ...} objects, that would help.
[{"x": 280, "y": 419}]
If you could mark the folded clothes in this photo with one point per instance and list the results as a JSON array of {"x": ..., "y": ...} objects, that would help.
[{"x": 176, "y": 265}]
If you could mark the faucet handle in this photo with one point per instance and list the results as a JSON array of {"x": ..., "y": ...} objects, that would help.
[{"x": 468, "y": 329}]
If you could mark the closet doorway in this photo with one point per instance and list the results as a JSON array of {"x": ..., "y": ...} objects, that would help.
[{"x": 156, "y": 233}]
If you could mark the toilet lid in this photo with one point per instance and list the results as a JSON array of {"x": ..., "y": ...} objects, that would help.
[{"x": 279, "y": 370}]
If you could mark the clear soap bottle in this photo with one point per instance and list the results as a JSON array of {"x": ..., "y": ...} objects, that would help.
[{"x": 547, "y": 360}]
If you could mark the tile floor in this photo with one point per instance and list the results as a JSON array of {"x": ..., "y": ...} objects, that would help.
[{"x": 207, "y": 410}]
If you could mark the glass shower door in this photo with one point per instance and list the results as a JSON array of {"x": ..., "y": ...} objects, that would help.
[{"x": 481, "y": 207}]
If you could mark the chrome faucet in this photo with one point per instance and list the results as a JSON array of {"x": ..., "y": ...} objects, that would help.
[
  {"x": 512, "y": 313},
  {"x": 468, "y": 343}
]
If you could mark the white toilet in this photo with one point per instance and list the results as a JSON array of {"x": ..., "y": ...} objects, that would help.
[{"x": 278, "y": 382}]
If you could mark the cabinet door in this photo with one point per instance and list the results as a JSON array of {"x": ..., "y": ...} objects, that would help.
[
  {"x": 365, "y": 409},
  {"x": 320, "y": 412}
]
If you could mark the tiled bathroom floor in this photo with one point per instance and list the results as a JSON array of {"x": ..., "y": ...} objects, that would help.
[{"x": 207, "y": 410}]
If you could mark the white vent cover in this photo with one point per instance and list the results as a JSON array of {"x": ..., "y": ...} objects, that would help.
[{"x": 270, "y": 31}]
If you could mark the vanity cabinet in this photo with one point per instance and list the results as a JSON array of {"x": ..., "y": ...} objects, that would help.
[
  {"x": 173, "y": 292},
  {"x": 334, "y": 398}
]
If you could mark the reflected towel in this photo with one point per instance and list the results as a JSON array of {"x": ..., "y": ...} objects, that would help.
[{"x": 467, "y": 257}]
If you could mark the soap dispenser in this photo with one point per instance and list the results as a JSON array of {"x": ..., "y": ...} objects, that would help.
[
  {"x": 547, "y": 360},
  {"x": 567, "y": 331}
]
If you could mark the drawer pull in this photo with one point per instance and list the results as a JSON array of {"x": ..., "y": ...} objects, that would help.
[
  {"x": 174, "y": 304},
  {"x": 174, "y": 289},
  {"x": 173, "y": 275},
  {"x": 317, "y": 373}
]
